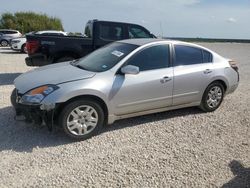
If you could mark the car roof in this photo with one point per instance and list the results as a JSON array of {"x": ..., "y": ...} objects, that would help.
[
  {"x": 146, "y": 41},
  {"x": 49, "y": 31},
  {"x": 8, "y": 30}
]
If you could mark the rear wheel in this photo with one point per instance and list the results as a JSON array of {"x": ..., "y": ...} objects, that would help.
[
  {"x": 82, "y": 119},
  {"x": 4, "y": 43},
  {"x": 212, "y": 97}
]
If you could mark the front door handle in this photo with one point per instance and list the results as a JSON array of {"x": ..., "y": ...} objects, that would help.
[
  {"x": 165, "y": 79},
  {"x": 207, "y": 71}
]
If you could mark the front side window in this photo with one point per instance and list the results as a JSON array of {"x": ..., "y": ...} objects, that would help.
[
  {"x": 151, "y": 58},
  {"x": 137, "y": 32},
  {"x": 106, "y": 57},
  {"x": 187, "y": 55},
  {"x": 111, "y": 32}
]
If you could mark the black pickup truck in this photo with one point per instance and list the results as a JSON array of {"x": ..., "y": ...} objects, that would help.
[{"x": 44, "y": 50}]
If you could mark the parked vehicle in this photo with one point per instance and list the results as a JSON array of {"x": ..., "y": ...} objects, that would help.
[
  {"x": 6, "y": 35},
  {"x": 19, "y": 44},
  {"x": 51, "y": 33},
  {"x": 124, "y": 79},
  {"x": 45, "y": 50}
]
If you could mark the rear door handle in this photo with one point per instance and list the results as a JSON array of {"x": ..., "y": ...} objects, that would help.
[
  {"x": 207, "y": 71},
  {"x": 165, "y": 79}
]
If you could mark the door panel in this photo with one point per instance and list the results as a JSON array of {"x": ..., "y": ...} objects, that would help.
[
  {"x": 144, "y": 91},
  {"x": 190, "y": 81}
]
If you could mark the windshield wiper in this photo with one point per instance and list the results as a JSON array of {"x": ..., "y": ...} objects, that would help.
[
  {"x": 73, "y": 62},
  {"x": 80, "y": 67}
]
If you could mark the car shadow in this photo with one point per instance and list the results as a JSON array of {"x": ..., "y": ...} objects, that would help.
[
  {"x": 20, "y": 136},
  {"x": 241, "y": 176},
  {"x": 130, "y": 122},
  {"x": 8, "y": 78},
  {"x": 23, "y": 137},
  {"x": 5, "y": 48},
  {"x": 10, "y": 52}
]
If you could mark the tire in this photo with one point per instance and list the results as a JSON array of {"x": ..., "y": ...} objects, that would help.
[
  {"x": 24, "y": 49},
  {"x": 212, "y": 97},
  {"x": 65, "y": 58},
  {"x": 13, "y": 97},
  {"x": 4, "y": 43},
  {"x": 81, "y": 119}
]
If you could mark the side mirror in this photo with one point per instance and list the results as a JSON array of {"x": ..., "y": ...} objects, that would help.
[
  {"x": 130, "y": 69},
  {"x": 153, "y": 36}
]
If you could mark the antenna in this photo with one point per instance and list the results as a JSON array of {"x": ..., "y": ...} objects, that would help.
[{"x": 161, "y": 30}]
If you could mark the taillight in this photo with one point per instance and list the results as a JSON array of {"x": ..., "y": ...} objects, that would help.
[
  {"x": 233, "y": 64},
  {"x": 32, "y": 46}
]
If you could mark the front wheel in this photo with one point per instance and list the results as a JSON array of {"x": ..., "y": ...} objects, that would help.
[
  {"x": 4, "y": 43},
  {"x": 82, "y": 119},
  {"x": 212, "y": 97},
  {"x": 24, "y": 49}
]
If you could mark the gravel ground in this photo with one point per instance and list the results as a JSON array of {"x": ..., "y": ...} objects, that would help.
[{"x": 181, "y": 148}]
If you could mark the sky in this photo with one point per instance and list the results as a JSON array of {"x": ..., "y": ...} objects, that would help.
[{"x": 169, "y": 18}]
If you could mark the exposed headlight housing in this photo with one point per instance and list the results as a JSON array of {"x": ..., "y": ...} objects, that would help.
[{"x": 35, "y": 96}]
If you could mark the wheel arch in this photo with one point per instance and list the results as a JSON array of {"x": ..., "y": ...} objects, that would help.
[
  {"x": 223, "y": 82},
  {"x": 88, "y": 97}
]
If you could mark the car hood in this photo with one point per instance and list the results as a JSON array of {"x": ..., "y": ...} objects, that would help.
[
  {"x": 51, "y": 74},
  {"x": 19, "y": 38}
]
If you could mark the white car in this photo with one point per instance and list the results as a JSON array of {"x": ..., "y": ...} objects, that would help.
[
  {"x": 6, "y": 35},
  {"x": 19, "y": 44},
  {"x": 52, "y": 32}
]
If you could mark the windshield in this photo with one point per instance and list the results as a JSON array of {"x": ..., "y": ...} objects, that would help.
[{"x": 106, "y": 57}]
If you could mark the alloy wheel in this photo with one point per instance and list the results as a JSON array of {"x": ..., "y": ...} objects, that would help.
[
  {"x": 82, "y": 120},
  {"x": 214, "y": 97}
]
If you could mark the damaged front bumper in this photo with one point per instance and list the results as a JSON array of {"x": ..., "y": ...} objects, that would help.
[{"x": 39, "y": 114}]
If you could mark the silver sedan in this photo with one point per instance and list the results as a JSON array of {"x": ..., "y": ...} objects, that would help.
[{"x": 124, "y": 79}]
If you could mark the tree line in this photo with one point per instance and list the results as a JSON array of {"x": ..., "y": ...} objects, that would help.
[{"x": 29, "y": 21}]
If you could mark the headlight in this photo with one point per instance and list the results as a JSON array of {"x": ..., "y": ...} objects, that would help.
[
  {"x": 35, "y": 96},
  {"x": 15, "y": 41}
]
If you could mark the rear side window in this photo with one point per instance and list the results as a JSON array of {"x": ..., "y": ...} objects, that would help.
[
  {"x": 151, "y": 58},
  {"x": 207, "y": 56},
  {"x": 8, "y": 32},
  {"x": 111, "y": 32},
  {"x": 13, "y": 32},
  {"x": 187, "y": 55},
  {"x": 138, "y": 32}
]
